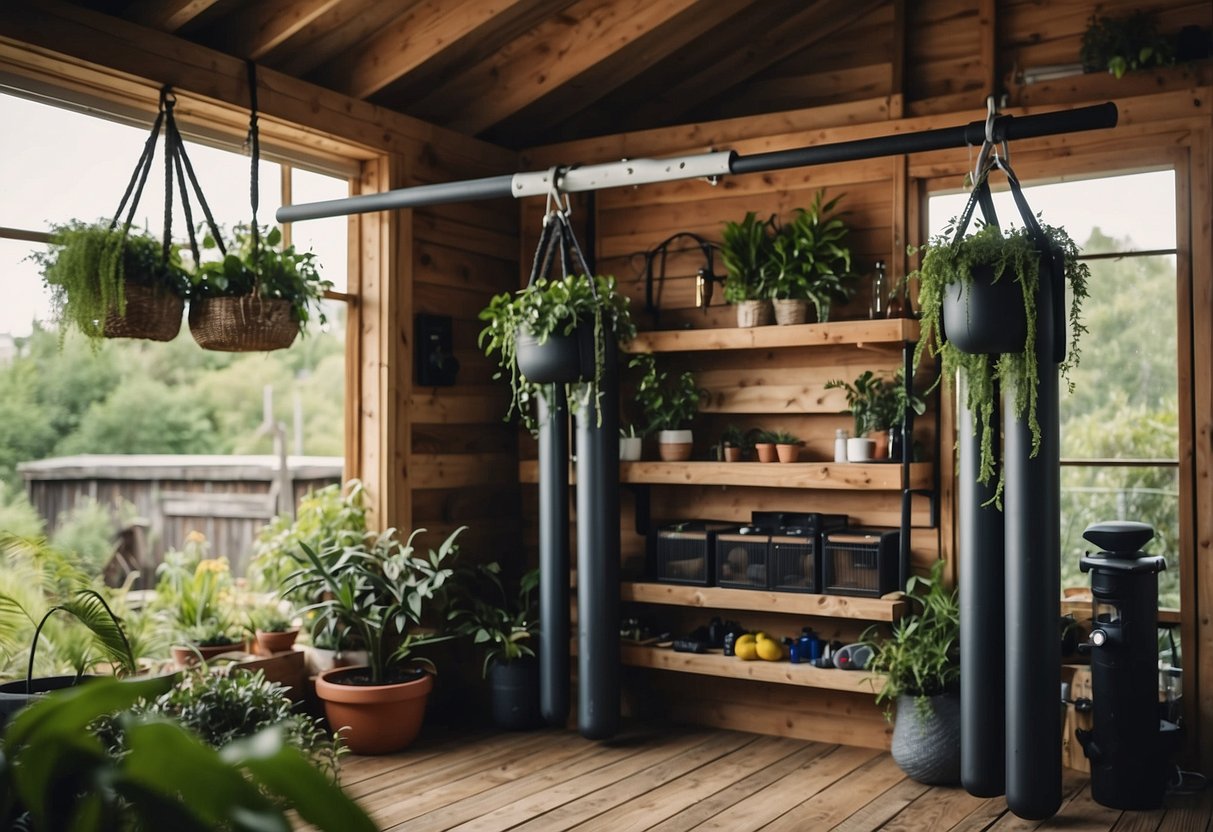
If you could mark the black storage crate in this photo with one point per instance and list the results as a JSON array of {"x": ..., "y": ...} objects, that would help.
[
  {"x": 794, "y": 562},
  {"x": 860, "y": 562},
  {"x": 741, "y": 558},
  {"x": 682, "y": 552}
]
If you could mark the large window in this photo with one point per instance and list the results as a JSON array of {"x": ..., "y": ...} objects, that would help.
[{"x": 1120, "y": 427}]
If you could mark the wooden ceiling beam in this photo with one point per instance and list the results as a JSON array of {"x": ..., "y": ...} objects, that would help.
[
  {"x": 424, "y": 30},
  {"x": 166, "y": 15},
  {"x": 552, "y": 54},
  {"x": 331, "y": 34},
  {"x": 259, "y": 27}
]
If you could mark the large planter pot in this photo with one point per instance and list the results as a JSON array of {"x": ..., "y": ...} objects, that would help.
[
  {"x": 982, "y": 315},
  {"x": 753, "y": 313},
  {"x": 860, "y": 449},
  {"x": 514, "y": 687},
  {"x": 561, "y": 359},
  {"x": 280, "y": 642},
  {"x": 14, "y": 695},
  {"x": 374, "y": 719},
  {"x": 153, "y": 313},
  {"x": 788, "y": 453},
  {"x": 766, "y": 451},
  {"x": 246, "y": 323},
  {"x": 927, "y": 746},
  {"x": 790, "y": 312},
  {"x": 630, "y": 448},
  {"x": 188, "y": 655},
  {"x": 320, "y": 659},
  {"x": 674, "y": 445}
]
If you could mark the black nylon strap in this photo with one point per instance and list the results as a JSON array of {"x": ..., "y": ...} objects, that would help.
[
  {"x": 193, "y": 178},
  {"x": 171, "y": 144},
  {"x": 139, "y": 175},
  {"x": 255, "y": 154}
]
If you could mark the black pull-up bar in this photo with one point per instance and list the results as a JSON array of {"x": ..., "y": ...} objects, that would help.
[{"x": 646, "y": 171}]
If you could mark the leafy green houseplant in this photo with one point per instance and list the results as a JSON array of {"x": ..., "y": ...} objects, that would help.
[
  {"x": 746, "y": 250},
  {"x": 919, "y": 664},
  {"x": 257, "y": 296},
  {"x": 878, "y": 405},
  {"x": 109, "y": 283},
  {"x": 787, "y": 445},
  {"x": 380, "y": 589},
  {"x": 194, "y": 594},
  {"x": 669, "y": 404},
  {"x": 578, "y": 317},
  {"x": 809, "y": 263},
  {"x": 1125, "y": 44},
  {"x": 735, "y": 443}
]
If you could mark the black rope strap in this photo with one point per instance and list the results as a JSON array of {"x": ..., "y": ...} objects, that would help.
[{"x": 254, "y": 143}]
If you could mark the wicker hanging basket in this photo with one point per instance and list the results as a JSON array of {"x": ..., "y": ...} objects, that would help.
[
  {"x": 247, "y": 323},
  {"x": 152, "y": 312}
]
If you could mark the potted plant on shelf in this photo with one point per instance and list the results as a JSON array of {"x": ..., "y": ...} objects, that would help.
[
  {"x": 920, "y": 667},
  {"x": 764, "y": 446},
  {"x": 808, "y": 263},
  {"x": 787, "y": 445},
  {"x": 380, "y": 589},
  {"x": 631, "y": 443},
  {"x": 273, "y": 627},
  {"x": 670, "y": 405},
  {"x": 258, "y": 296},
  {"x": 746, "y": 250},
  {"x": 878, "y": 406},
  {"x": 555, "y": 331},
  {"x": 735, "y": 443},
  {"x": 114, "y": 283},
  {"x": 1124, "y": 44},
  {"x": 504, "y": 626}
]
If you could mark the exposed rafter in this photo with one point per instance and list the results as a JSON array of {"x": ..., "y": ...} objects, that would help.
[
  {"x": 259, "y": 27},
  {"x": 333, "y": 33},
  {"x": 166, "y": 15}
]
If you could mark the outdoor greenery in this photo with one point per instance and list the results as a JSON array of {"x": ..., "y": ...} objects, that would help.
[
  {"x": 668, "y": 403},
  {"x": 195, "y": 593}
]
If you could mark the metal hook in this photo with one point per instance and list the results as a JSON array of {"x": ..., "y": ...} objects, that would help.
[
  {"x": 991, "y": 144},
  {"x": 555, "y": 196}
]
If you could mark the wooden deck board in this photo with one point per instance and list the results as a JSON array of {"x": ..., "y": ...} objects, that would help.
[{"x": 660, "y": 779}]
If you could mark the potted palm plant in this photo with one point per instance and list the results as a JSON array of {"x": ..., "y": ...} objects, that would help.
[
  {"x": 380, "y": 589},
  {"x": 258, "y": 296},
  {"x": 114, "y": 283},
  {"x": 669, "y": 405},
  {"x": 746, "y": 250},
  {"x": 878, "y": 406},
  {"x": 809, "y": 263},
  {"x": 920, "y": 667},
  {"x": 504, "y": 626}
]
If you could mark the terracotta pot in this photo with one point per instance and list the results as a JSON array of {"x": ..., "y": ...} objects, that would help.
[
  {"x": 186, "y": 655},
  {"x": 374, "y": 719},
  {"x": 788, "y": 453},
  {"x": 766, "y": 452},
  {"x": 271, "y": 643},
  {"x": 881, "y": 438},
  {"x": 675, "y": 445},
  {"x": 732, "y": 453}
]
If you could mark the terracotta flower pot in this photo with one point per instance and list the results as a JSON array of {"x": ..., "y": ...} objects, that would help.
[
  {"x": 732, "y": 453},
  {"x": 766, "y": 452},
  {"x": 788, "y": 453},
  {"x": 279, "y": 642},
  {"x": 881, "y": 438},
  {"x": 186, "y": 655},
  {"x": 374, "y": 719}
]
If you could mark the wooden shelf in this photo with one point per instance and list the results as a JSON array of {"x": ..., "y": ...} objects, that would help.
[
  {"x": 793, "y": 603},
  {"x": 838, "y": 476},
  {"x": 780, "y": 673},
  {"x": 879, "y": 333}
]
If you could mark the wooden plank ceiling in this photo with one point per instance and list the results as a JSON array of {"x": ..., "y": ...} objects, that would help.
[{"x": 529, "y": 72}]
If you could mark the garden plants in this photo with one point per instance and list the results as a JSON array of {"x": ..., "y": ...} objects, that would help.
[
  {"x": 809, "y": 263},
  {"x": 746, "y": 250},
  {"x": 670, "y": 404},
  {"x": 878, "y": 405}
]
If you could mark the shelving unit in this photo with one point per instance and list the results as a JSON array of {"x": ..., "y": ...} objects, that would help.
[
  {"x": 891, "y": 334},
  {"x": 841, "y": 476},
  {"x": 780, "y": 673},
  {"x": 791, "y": 603}
]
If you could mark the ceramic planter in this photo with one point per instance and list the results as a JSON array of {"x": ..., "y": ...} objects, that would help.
[
  {"x": 732, "y": 453},
  {"x": 561, "y": 359},
  {"x": 766, "y": 451},
  {"x": 280, "y": 642},
  {"x": 514, "y": 687},
  {"x": 927, "y": 746},
  {"x": 860, "y": 449},
  {"x": 789, "y": 312},
  {"x": 675, "y": 445},
  {"x": 630, "y": 448},
  {"x": 14, "y": 695},
  {"x": 374, "y": 719},
  {"x": 982, "y": 315},
  {"x": 753, "y": 313},
  {"x": 788, "y": 453}
]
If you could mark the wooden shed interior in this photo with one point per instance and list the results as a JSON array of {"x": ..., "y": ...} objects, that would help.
[{"x": 394, "y": 93}]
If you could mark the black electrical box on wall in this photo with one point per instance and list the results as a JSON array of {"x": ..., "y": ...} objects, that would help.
[{"x": 435, "y": 359}]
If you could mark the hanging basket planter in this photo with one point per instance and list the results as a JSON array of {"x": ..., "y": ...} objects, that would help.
[
  {"x": 984, "y": 315},
  {"x": 559, "y": 359},
  {"x": 152, "y": 312},
  {"x": 247, "y": 323}
]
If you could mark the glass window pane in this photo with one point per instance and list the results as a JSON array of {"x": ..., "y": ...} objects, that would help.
[
  {"x": 25, "y": 297},
  {"x": 328, "y": 238}
]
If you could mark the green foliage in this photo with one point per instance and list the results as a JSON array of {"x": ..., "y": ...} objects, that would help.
[
  {"x": 87, "y": 530},
  {"x": 735, "y": 437},
  {"x": 380, "y": 589},
  {"x": 1013, "y": 256},
  {"x": 194, "y": 594},
  {"x": 922, "y": 656},
  {"x": 18, "y": 517},
  {"x": 1123, "y": 44},
  {"x": 876, "y": 403},
  {"x": 668, "y": 404},
  {"x": 87, "y": 264},
  {"x": 779, "y": 437},
  {"x": 144, "y": 416},
  {"x": 333, "y": 516},
  {"x": 484, "y": 610},
  {"x": 271, "y": 271},
  {"x": 808, "y": 260},
  {"x": 554, "y": 307},
  {"x": 57, "y": 775},
  {"x": 746, "y": 250}
]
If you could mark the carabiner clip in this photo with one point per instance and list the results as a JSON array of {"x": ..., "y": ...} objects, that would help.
[{"x": 557, "y": 201}]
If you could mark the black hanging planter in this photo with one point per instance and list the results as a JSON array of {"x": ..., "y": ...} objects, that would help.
[
  {"x": 561, "y": 359},
  {"x": 982, "y": 315},
  {"x": 514, "y": 687}
]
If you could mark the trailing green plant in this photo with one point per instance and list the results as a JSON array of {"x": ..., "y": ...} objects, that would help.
[
  {"x": 86, "y": 267},
  {"x": 547, "y": 308},
  {"x": 1124, "y": 44},
  {"x": 746, "y": 250},
  {"x": 268, "y": 269},
  {"x": 877, "y": 404},
  {"x": 921, "y": 658},
  {"x": 668, "y": 403},
  {"x": 502, "y": 622},
  {"x": 808, "y": 260},
  {"x": 1012, "y": 255},
  {"x": 380, "y": 589},
  {"x": 56, "y": 775}
]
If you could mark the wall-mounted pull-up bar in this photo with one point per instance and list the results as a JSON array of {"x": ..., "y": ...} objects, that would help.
[{"x": 629, "y": 172}]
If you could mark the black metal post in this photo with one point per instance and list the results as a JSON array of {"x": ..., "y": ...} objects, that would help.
[
  {"x": 982, "y": 619},
  {"x": 1033, "y": 584},
  {"x": 598, "y": 654},
  {"x": 554, "y": 556}
]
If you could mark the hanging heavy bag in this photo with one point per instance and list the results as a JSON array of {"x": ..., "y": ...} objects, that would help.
[
  {"x": 984, "y": 312},
  {"x": 559, "y": 358}
]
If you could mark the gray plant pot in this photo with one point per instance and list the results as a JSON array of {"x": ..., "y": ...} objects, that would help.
[
  {"x": 985, "y": 316},
  {"x": 561, "y": 359},
  {"x": 928, "y": 748}
]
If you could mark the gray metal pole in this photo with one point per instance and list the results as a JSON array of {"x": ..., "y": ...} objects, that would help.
[
  {"x": 1033, "y": 587},
  {"x": 982, "y": 615},
  {"x": 598, "y": 653},
  {"x": 554, "y": 556}
]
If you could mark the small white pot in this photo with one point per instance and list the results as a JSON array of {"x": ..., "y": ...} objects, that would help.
[
  {"x": 860, "y": 449},
  {"x": 675, "y": 445},
  {"x": 630, "y": 448}
]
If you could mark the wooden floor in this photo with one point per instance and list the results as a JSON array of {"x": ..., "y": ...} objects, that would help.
[{"x": 703, "y": 779}]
